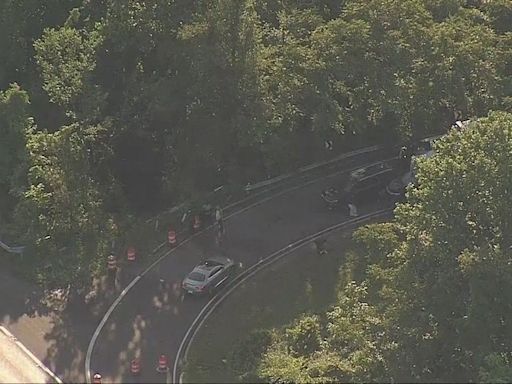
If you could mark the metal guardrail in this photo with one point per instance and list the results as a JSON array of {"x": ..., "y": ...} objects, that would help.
[
  {"x": 161, "y": 255},
  {"x": 248, "y": 273},
  {"x": 9, "y": 249},
  {"x": 307, "y": 168}
]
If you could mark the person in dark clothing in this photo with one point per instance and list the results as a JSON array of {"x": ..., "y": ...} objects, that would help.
[
  {"x": 320, "y": 246},
  {"x": 219, "y": 219},
  {"x": 329, "y": 195}
]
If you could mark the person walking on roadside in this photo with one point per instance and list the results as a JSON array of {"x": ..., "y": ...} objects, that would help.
[
  {"x": 352, "y": 209},
  {"x": 403, "y": 153},
  {"x": 219, "y": 220},
  {"x": 320, "y": 246}
]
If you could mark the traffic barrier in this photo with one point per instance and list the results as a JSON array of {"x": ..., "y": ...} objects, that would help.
[
  {"x": 111, "y": 263},
  {"x": 130, "y": 254},
  {"x": 197, "y": 223},
  {"x": 96, "y": 379},
  {"x": 135, "y": 367},
  {"x": 162, "y": 364},
  {"x": 171, "y": 236}
]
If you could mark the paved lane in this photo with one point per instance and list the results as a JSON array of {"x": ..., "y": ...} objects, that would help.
[{"x": 149, "y": 322}]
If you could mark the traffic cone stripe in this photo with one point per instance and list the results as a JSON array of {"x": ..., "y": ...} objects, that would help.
[
  {"x": 162, "y": 364},
  {"x": 96, "y": 379},
  {"x": 111, "y": 262},
  {"x": 135, "y": 367},
  {"x": 197, "y": 222},
  {"x": 131, "y": 254},
  {"x": 171, "y": 237}
]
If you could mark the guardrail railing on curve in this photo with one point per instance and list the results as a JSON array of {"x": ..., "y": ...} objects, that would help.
[{"x": 248, "y": 273}]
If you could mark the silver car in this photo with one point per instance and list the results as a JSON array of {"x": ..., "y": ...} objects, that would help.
[{"x": 208, "y": 275}]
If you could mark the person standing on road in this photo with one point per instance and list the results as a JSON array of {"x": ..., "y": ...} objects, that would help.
[
  {"x": 219, "y": 219},
  {"x": 320, "y": 246},
  {"x": 403, "y": 153},
  {"x": 352, "y": 209}
]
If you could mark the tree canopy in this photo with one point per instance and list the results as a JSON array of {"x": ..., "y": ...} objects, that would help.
[
  {"x": 125, "y": 107},
  {"x": 432, "y": 303}
]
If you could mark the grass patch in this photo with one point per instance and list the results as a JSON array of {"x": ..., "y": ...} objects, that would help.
[{"x": 302, "y": 282}]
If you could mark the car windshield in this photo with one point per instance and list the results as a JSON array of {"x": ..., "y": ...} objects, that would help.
[
  {"x": 197, "y": 276},
  {"x": 211, "y": 262}
]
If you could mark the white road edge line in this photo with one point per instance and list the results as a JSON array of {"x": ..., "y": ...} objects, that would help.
[
  {"x": 269, "y": 183},
  {"x": 256, "y": 268},
  {"x": 134, "y": 281},
  {"x": 309, "y": 167},
  {"x": 38, "y": 362}
]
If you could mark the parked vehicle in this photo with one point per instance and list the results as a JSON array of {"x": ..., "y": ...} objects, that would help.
[
  {"x": 331, "y": 197},
  {"x": 396, "y": 188},
  {"x": 363, "y": 184},
  {"x": 423, "y": 148},
  {"x": 367, "y": 182},
  {"x": 207, "y": 276}
]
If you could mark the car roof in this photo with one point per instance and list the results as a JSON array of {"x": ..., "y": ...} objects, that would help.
[
  {"x": 371, "y": 170},
  {"x": 212, "y": 262},
  {"x": 218, "y": 259}
]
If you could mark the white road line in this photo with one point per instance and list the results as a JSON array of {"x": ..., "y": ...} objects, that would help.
[
  {"x": 102, "y": 324},
  {"x": 276, "y": 180},
  {"x": 312, "y": 166},
  {"x": 256, "y": 268},
  {"x": 134, "y": 281},
  {"x": 37, "y": 362}
]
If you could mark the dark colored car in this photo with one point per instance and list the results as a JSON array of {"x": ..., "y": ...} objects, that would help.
[
  {"x": 208, "y": 275},
  {"x": 364, "y": 183},
  {"x": 367, "y": 182},
  {"x": 396, "y": 188}
]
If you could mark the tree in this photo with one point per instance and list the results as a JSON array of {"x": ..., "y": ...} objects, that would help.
[
  {"x": 65, "y": 57},
  {"x": 434, "y": 300},
  {"x": 14, "y": 123},
  {"x": 342, "y": 345},
  {"x": 457, "y": 225},
  {"x": 496, "y": 369},
  {"x": 244, "y": 358},
  {"x": 22, "y": 23},
  {"x": 500, "y": 13},
  {"x": 64, "y": 223}
]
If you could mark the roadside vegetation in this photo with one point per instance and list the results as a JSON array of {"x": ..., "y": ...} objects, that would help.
[
  {"x": 423, "y": 298},
  {"x": 111, "y": 111},
  {"x": 428, "y": 298},
  {"x": 228, "y": 351}
]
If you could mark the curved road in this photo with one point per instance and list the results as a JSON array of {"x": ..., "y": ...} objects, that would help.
[{"x": 149, "y": 322}]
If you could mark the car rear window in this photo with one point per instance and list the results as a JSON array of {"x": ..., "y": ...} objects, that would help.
[
  {"x": 197, "y": 276},
  {"x": 211, "y": 263}
]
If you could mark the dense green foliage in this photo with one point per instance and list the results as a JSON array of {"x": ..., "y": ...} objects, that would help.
[
  {"x": 119, "y": 107},
  {"x": 429, "y": 300},
  {"x": 123, "y": 107}
]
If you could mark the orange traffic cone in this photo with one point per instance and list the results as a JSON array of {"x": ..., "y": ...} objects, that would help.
[
  {"x": 162, "y": 364},
  {"x": 197, "y": 223},
  {"x": 96, "y": 379},
  {"x": 111, "y": 263},
  {"x": 135, "y": 367},
  {"x": 171, "y": 236},
  {"x": 130, "y": 254}
]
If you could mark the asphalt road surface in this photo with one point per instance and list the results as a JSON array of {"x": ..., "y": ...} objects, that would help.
[{"x": 149, "y": 321}]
